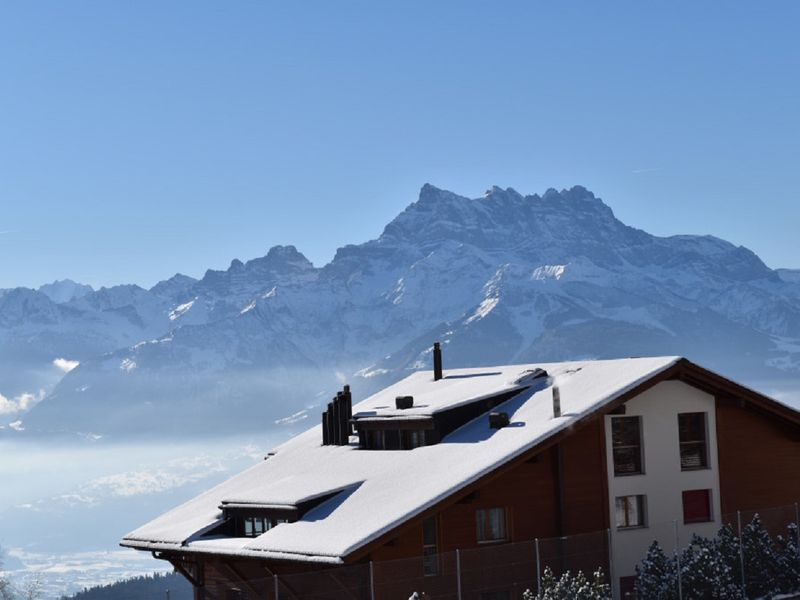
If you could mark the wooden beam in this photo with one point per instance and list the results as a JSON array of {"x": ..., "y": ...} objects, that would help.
[
  {"x": 345, "y": 589},
  {"x": 289, "y": 590},
  {"x": 182, "y": 570},
  {"x": 237, "y": 575}
]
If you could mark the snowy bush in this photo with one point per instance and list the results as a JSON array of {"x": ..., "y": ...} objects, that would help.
[
  {"x": 712, "y": 568},
  {"x": 571, "y": 587},
  {"x": 788, "y": 561},
  {"x": 705, "y": 574},
  {"x": 655, "y": 577},
  {"x": 760, "y": 561}
]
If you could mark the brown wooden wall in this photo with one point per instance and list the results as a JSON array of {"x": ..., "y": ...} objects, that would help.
[
  {"x": 759, "y": 459},
  {"x": 530, "y": 492},
  {"x": 538, "y": 507}
]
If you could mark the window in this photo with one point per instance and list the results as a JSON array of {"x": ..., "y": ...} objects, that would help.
[
  {"x": 697, "y": 506},
  {"x": 491, "y": 524},
  {"x": 692, "y": 433},
  {"x": 255, "y": 526},
  {"x": 430, "y": 547},
  {"x": 413, "y": 439},
  {"x": 393, "y": 439},
  {"x": 627, "y": 587},
  {"x": 626, "y": 442},
  {"x": 375, "y": 439},
  {"x": 258, "y": 525},
  {"x": 630, "y": 512}
]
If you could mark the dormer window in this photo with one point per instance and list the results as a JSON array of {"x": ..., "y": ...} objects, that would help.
[
  {"x": 255, "y": 526},
  {"x": 394, "y": 439},
  {"x": 253, "y": 521}
]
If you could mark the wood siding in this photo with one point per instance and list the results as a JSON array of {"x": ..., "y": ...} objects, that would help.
[
  {"x": 759, "y": 458},
  {"x": 530, "y": 493}
]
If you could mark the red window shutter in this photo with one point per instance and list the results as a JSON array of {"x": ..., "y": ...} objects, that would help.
[{"x": 696, "y": 506}]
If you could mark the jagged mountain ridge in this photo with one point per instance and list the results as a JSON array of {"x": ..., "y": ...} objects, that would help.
[{"x": 502, "y": 278}]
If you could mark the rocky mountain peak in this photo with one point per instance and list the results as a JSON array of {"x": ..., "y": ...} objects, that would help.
[{"x": 64, "y": 290}]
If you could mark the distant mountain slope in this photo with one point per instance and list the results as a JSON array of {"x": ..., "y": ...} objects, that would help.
[
  {"x": 149, "y": 587},
  {"x": 498, "y": 279}
]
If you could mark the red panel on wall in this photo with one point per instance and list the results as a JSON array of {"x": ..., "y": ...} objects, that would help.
[{"x": 696, "y": 506}]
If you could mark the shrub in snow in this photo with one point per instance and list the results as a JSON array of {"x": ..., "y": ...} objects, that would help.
[
  {"x": 571, "y": 587},
  {"x": 788, "y": 561},
  {"x": 728, "y": 548},
  {"x": 712, "y": 568},
  {"x": 655, "y": 576},
  {"x": 760, "y": 561},
  {"x": 704, "y": 573}
]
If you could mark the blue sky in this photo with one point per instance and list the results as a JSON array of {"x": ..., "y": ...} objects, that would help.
[{"x": 139, "y": 139}]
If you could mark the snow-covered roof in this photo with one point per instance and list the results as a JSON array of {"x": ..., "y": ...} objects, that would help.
[{"x": 380, "y": 489}]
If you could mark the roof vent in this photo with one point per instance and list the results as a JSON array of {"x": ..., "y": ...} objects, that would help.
[
  {"x": 498, "y": 420},
  {"x": 556, "y": 402},
  {"x": 404, "y": 402},
  {"x": 530, "y": 375}
]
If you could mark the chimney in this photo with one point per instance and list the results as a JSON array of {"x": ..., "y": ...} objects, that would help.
[
  {"x": 404, "y": 402},
  {"x": 325, "y": 426},
  {"x": 327, "y": 436},
  {"x": 348, "y": 407},
  {"x": 335, "y": 428},
  {"x": 556, "y": 402},
  {"x": 437, "y": 362},
  {"x": 498, "y": 420},
  {"x": 343, "y": 423}
]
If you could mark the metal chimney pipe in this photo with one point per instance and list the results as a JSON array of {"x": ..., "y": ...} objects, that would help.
[
  {"x": 335, "y": 428},
  {"x": 325, "y": 440},
  {"x": 328, "y": 421},
  {"x": 437, "y": 361},
  {"x": 556, "y": 402},
  {"x": 342, "y": 424},
  {"x": 348, "y": 404}
]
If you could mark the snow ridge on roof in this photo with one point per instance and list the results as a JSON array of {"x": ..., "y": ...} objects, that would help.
[{"x": 380, "y": 489}]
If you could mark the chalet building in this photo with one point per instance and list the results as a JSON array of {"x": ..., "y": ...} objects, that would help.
[{"x": 640, "y": 448}]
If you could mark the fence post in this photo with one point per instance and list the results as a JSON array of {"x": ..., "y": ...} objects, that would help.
[
  {"x": 371, "y": 581},
  {"x": 611, "y": 578},
  {"x": 741, "y": 548},
  {"x": 538, "y": 570},
  {"x": 797, "y": 531},
  {"x": 678, "y": 559},
  {"x": 275, "y": 585},
  {"x": 458, "y": 571}
]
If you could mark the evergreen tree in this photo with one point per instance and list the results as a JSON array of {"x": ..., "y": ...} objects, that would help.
[
  {"x": 656, "y": 576},
  {"x": 728, "y": 547},
  {"x": 789, "y": 561},
  {"x": 760, "y": 561},
  {"x": 571, "y": 587},
  {"x": 704, "y": 574}
]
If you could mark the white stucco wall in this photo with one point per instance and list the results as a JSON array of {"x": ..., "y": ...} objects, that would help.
[{"x": 663, "y": 481}]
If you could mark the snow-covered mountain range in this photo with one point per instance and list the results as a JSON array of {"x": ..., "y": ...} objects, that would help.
[{"x": 499, "y": 279}]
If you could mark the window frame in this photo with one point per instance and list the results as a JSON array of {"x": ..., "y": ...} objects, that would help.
[
  {"x": 483, "y": 523},
  {"x": 692, "y": 443},
  {"x": 430, "y": 550},
  {"x": 641, "y": 510},
  {"x": 615, "y": 447}
]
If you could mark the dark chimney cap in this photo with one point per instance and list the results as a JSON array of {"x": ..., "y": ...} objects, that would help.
[
  {"x": 404, "y": 402},
  {"x": 498, "y": 420}
]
